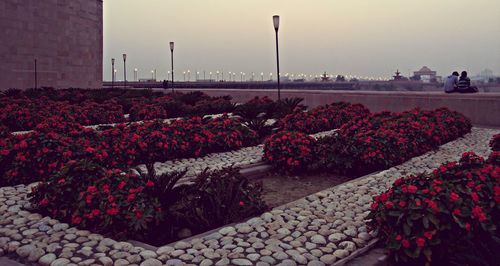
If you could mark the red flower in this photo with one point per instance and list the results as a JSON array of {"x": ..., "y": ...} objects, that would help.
[
  {"x": 91, "y": 189},
  {"x": 122, "y": 185},
  {"x": 398, "y": 237},
  {"x": 138, "y": 214},
  {"x": 150, "y": 183},
  {"x": 457, "y": 212},
  {"x": 474, "y": 197},
  {"x": 76, "y": 219},
  {"x": 389, "y": 205},
  {"x": 478, "y": 213},
  {"x": 412, "y": 189},
  {"x": 428, "y": 235},
  {"x": 467, "y": 227},
  {"x": 420, "y": 242},
  {"x": 454, "y": 197},
  {"x": 61, "y": 181},
  {"x": 131, "y": 197},
  {"x": 44, "y": 202},
  {"x": 112, "y": 211},
  {"x": 405, "y": 243},
  {"x": 241, "y": 203},
  {"x": 111, "y": 198},
  {"x": 402, "y": 203}
]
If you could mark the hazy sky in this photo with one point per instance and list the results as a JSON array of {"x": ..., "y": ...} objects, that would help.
[{"x": 356, "y": 37}]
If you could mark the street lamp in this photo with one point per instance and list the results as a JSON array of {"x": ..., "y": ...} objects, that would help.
[
  {"x": 172, "y": 57},
  {"x": 210, "y": 76},
  {"x": 276, "y": 22},
  {"x": 152, "y": 74},
  {"x": 189, "y": 75},
  {"x": 112, "y": 72},
  {"x": 218, "y": 75},
  {"x": 135, "y": 74},
  {"x": 197, "y": 75},
  {"x": 262, "y": 76},
  {"x": 125, "y": 70},
  {"x": 168, "y": 75}
]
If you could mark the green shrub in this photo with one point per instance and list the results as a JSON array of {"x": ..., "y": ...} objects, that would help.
[{"x": 215, "y": 199}]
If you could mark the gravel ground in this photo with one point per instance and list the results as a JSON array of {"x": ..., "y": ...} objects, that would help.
[{"x": 319, "y": 229}]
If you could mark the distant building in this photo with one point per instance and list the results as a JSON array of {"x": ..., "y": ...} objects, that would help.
[
  {"x": 398, "y": 76},
  {"x": 484, "y": 76},
  {"x": 425, "y": 74},
  {"x": 64, "y": 37}
]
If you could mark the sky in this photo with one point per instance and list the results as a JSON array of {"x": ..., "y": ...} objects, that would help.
[{"x": 368, "y": 38}]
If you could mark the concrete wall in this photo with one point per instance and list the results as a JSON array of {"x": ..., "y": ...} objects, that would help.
[
  {"x": 482, "y": 108},
  {"x": 65, "y": 36}
]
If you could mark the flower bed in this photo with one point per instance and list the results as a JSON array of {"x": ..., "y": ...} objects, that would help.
[
  {"x": 23, "y": 110},
  {"x": 323, "y": 118},
  {"x": 451, "y": 215},
  {"x": 386, "y": 139},
  {"x": 35, "y": 156},
  {"x": 377, "y": 141},
  {"x": 144, "y": 206}
]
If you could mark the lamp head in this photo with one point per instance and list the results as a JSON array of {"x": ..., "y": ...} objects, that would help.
[
  {"x": 124, "y": 57},
  {"x": 172, "y": 46},
  {"x": 276, "y": 22},
  {"x": 112, "y": 60}
]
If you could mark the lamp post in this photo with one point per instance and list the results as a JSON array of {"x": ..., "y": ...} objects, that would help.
[
  {"x": 184, "y": 73},
  {"x": 262, "y": 76},
  {"x": 276, "y": 22},
  {"x": 197, "y": 75},
  {"x": 152, "y": 74},
  {"x": 36, "y": 75},
  {"x": 112, "y": 72},
  {"x": 168, "y": 75},
  {"x": 125, "y": 70},
  {"x": 189, "y": 75},
  {"x": 135, "y": 74},
  {"x": 172, "y": 61},
  {"x": 218, "y": 75}
]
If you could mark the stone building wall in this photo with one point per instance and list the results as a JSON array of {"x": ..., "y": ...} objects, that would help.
[{"x": 64, "y": 36}]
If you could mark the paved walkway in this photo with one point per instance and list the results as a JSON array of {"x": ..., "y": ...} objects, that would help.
[{"x": 320, "y": 229}]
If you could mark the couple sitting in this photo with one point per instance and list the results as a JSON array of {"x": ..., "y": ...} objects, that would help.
[{"x": 462, "y": 84}]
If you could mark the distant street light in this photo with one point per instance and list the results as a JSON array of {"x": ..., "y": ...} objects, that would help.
[
  {"x": 276, "y": 22},
  {"x": 172, "y": 57},
  {"x": 241, "y": 76},
  {"x": 184, "y": 73},
  {"x": 197, "y": 75},
  {"x": 189, "y": 75},
  {"x": 152, "y": 75},
  {"x": 112, "y": 72},
  {"x": 168, "y": 75},
  {"x": 135, "y": 74},
  {"x": 125, "y": 70},
  {"x": 262, "y": 76},
  {"x": 271, "y": 76}
]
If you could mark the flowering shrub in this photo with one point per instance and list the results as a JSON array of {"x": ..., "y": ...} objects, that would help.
[
  {"x": 289, "y": 151},
  {"x": 323, "y": 118},
  {"x": 385, "y": 139},
  {"x": 495, "y": 143},
  {"x": 104, "y": 201},
  {"x": 23, "y": 110},
  {"x": 428, "y": 217},
  {"x": 25, "y": 114},
  {"x": 35, "y": 156}
]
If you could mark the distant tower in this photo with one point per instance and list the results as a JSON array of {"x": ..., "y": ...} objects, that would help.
[
  {"x": 398, "y": 76},
  {"x": 325, "y": 77}
]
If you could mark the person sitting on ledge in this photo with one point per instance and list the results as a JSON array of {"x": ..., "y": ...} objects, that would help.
[
  {"x": 450, "y": 85},
  {"x": 464, "y": 84}
]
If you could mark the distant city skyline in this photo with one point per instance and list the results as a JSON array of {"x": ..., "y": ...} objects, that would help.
[{"x": 357, "y": 38}]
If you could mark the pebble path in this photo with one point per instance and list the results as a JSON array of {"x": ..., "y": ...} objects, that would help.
[{"x": 319, "y": 229}]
